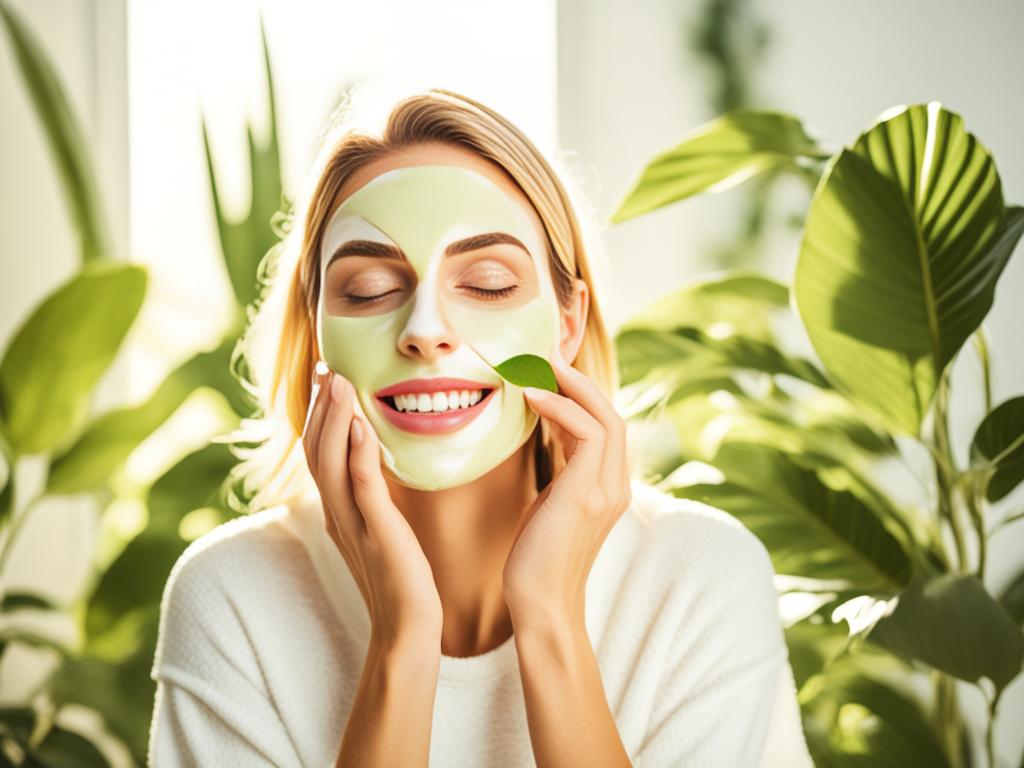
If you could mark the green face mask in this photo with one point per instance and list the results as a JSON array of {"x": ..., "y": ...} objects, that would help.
[{"x": 430, "y": 296}]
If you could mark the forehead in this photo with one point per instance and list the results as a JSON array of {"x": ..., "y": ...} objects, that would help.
[{"x": 419, "y": 206}]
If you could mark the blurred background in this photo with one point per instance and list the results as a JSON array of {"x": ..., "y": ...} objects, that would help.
[{"x": 163, "y": 95}]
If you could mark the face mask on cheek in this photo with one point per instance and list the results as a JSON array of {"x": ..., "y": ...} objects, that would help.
[{"x": 422, "y": 210}]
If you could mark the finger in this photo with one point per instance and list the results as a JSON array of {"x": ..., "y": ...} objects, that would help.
[
  {"x": 573, "y": 419},
  {"x": 369, "y": 489},
  {"x": 333, "y": 455},
  {"x": 582, "y": 389},
  {"x": 318, "y": 406}
]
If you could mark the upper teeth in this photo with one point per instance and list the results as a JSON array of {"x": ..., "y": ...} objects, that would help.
[{"x": 438, "y": 401}]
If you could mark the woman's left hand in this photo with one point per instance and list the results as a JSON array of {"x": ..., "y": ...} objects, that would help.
[{"x": 546, "y": 572}]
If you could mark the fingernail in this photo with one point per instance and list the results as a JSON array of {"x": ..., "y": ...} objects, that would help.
[
  {"x": 357, "y": 430},
  {"x": 336, "y": 387},
  {"x": 531, "y": 392}
]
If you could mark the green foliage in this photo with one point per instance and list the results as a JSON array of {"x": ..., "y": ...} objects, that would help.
[
  {"x": 951, "y": 622},
  {"x": 720, "y": 155},
  {"x": 64, "y": 138},
  {"x": 901, "y": 296},
  {"x": 244, "y": 243},
  {"x": 59, "y": 354},
  {"x": 902, "y": 247},
  {"x": 47, "y": 378},
  {"x": 998, "y": 445}
]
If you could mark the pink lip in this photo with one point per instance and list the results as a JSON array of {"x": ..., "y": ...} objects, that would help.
[
  {"x": 432, "y": 423},
  {"x": 443, "y": 384}
]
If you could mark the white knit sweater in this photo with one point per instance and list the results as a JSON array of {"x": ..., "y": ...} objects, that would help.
[{"x": 263, "y": 633}]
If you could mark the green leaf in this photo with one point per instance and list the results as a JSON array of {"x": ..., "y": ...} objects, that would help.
[
  {"x": 741, "y": 302},
  {"x": 810, "y": 529},
  {"x": 121, "y": 691},
  {"x": 58, "y": 355},
  {"x": 134, "y": 581},
  {"x": 902, "y": 247},
  {"x": 1012, "y": 598},
  {"x": 62, "y": 747},
  {"x": 878, "y": 725},
  {"x": 16, "y": 601},
  {"x": 1001, "y": 435},
  {"x": 719, "y": 155},
  {"x": 110, "y": 439},
  {"x": 951, "y": 623},
  {"x": 33, "y": 639},
  {"x": 65, "y": 138},
  {"x": 528, "y": 371},
  {"x": 246, "y": 241},
  {"x": 641, "y": 352},
  {"x": 19, "y": 722}
]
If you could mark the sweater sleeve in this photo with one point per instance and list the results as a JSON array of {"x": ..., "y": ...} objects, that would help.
[
  {"x": 720, "y": 690},
  {"x": 212, "y": 706}
]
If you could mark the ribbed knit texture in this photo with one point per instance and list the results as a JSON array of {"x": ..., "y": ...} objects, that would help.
[{"x": 263, "y": 634}]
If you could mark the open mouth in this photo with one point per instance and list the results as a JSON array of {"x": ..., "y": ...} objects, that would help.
[
  {"x": 434, "y": 412},
  {"x": 426, "y": 404}
]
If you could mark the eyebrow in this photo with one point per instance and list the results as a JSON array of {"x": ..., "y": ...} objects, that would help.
[{"x": 388, "y": 251}]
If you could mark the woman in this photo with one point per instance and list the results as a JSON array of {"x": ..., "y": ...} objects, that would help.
[{"x": 458, "y": 570}]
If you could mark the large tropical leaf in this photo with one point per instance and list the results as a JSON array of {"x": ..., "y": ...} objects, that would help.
[
  {"x": 810, "y": 529},
  {"x": 719, "y": 155},
  {"x": 245, "y": 242},
  {"x": 60, "y": 352},
  {"x": 111, "y": 438},
  {"x": 134, "y": 581},
  {"x": 952, "y": 623},
  {"x": 1000, "y": 439},
  {"x": 737, "y": 302},
  {"x": 902, "y": 247},
  {"x": 641, "y": 351},
  {"x": 65, "y": 139},
  {"x": 875, "y": 725},
  {"x": 121, "y": 691}
]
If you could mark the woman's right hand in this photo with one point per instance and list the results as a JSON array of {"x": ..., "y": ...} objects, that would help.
[{"x": 382, "y": 552}]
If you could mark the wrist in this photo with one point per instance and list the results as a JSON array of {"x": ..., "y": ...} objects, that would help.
[{"x": 406, "y": 651}]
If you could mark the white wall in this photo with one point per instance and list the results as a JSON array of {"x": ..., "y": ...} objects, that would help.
[{"x": 629, "y": 87}]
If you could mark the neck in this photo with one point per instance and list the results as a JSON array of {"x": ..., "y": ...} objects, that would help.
[{"x": 466, "y": 533}]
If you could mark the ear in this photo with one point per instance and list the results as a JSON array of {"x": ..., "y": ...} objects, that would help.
[{"x": 574, "y": 321}]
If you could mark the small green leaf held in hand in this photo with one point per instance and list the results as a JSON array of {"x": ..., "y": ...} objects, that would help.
[{"x": 528, "y": 371}]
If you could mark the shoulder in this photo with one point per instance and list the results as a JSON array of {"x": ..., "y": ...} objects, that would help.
[
  {"x": 714, "y": 576},
  {"x": 236, "y": 557},
  {"x": 706, "y": 541},
  {"x": 701, "y": 564}
]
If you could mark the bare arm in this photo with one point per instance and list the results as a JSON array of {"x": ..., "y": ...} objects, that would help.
[
  {"x": 566, "y": 707},
  {"x": 390, "y": 720}
]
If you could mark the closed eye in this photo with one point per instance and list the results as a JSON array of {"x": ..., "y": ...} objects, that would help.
[
  {"x": 492, "y": 293},
  {"x": 355, "y": 299}
]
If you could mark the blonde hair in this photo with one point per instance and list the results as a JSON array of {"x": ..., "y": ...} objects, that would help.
[{"x": 279, "y": 346}]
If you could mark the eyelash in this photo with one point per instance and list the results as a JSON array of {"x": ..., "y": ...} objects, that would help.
[{"x": 485, "y": 293}]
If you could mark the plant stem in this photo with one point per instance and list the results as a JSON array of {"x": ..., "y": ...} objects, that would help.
[
  {"x": 17, "y": 521},
  {"x": 981, "y": 347},
  {"x": 946, "y": 716},
  {"x": 945, "y": 470},
  {"x": 989, "y": 731},
  {"x": 973, "y": 498}
]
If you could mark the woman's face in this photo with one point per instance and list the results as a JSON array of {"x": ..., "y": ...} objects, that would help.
[{"x": 430, "y": 275}]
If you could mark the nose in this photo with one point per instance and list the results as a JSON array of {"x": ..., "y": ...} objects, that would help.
[{"x": 426, "y": 334}]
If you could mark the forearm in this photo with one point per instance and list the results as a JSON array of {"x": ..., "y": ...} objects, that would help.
[
  {"x": 391, "y": 717},
  {"x": 567, "y": 710}
]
